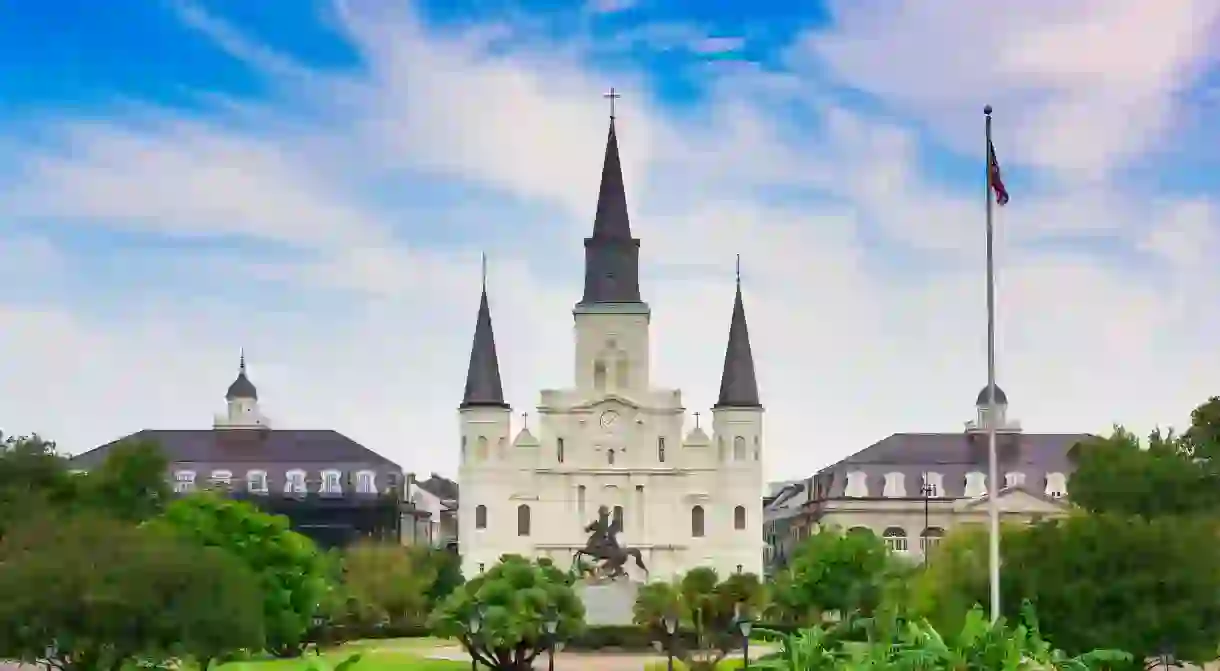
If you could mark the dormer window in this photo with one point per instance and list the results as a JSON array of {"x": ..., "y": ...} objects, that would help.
[
  {"x": 895, "y": 486},
  {"x": 976, "y": 485},
  {"x": 1056, "y": 485},
  {"x": 256, "y": 482},
  {"x": 184, "y": 481},
  {"x": 1014, "y": 479},
  {"x": 366, "y": 482},
  {"x": 332, "y": 482},
  {"x": 221, "y": 478},
  {"x": 857, "y": 485},
  {"x": 294, "y": 482}
]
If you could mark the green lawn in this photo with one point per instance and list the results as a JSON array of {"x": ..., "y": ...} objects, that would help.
[{"x": 399, "y": 654}]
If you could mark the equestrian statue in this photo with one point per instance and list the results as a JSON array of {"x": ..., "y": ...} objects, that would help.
[{"x": 604, "y": 549}]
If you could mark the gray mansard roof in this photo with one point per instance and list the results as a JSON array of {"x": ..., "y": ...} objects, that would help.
[
  {"x": 952, "y": 455},
  {"x": 272, "y": 446}
]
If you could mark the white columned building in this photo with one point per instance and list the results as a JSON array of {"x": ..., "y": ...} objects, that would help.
[{"x": 612, "y": 438}]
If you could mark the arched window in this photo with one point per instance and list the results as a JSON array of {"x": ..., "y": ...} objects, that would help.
[
  {"x": 480, "y": 450},
  {"x": 930, "y": 538},
  {"x": 463, "y": 448},
  {"x": 480, "y": 517},
  {"x": 610, "y": 457},
  {"x": 580, "y": 503},
  {"x": 599, "y": 375},
  {"x": 501, "y": 444},
  {"x": 523, "y": 520},
  {"x": 617, "y": 517},
  {"x": 739, "y": 518},
  {"x": 739, "y": 449},
  {"x": 1056, "y": 485},
  {"x": 620, "y": 373},
  {"x": 859, "y": 530},
  {"x": 559, "y": 450},
  {"x": 895, "y": 539},
  {"x": 696, "y": 521},
  {"x": 661, "y": 449}
]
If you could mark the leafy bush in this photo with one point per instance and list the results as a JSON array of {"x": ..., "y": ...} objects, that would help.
[
  {"x": 706, "y": 606},
  {"x": 88, "y": 592},
  {"x": 510, "y": 603},
  {"x": 897, "y": 644}
]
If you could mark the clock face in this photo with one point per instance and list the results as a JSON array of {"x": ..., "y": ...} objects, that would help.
[{"x": 609, "y": 417}]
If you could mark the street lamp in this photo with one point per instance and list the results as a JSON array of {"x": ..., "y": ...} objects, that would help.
[
  {"x": 670, "y": 622},
  {"x": 1164, "y": 656},
  {"x": 926, "y": 490},
  {"x": 550, "y": 626},
  {"x": 743, "y": 624}
]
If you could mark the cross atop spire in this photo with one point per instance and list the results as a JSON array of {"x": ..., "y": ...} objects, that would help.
[
  {"x": 738, "y": 384},
  {"x": 612, "y": 96},
  {"x": 483, "y": 386}
]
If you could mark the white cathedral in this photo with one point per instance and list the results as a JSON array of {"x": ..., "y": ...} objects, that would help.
[{"x": 613, "y": 439}]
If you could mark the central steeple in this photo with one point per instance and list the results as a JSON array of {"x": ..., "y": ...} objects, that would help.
[{"x": 612, "y": 256}]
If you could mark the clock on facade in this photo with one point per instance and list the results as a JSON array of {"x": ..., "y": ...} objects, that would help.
[{"x": 609, "y": 417}]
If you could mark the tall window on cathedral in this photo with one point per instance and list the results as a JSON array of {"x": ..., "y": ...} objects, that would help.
[
  {"x": 618, "y": 517},
  {"x": 739, "y": 449},
  {"x": 580, "y": 503},
  {"x": 620, "y": 373},
  {"x": 610, "y": 457},
  {"x": 559, "y": 450},
  {"x": 480, "y": 451},
  {"x": 463, "y": 448},
  {"x": 523, "y": 520},
  {"x": 599, "y": 375},
  {"x": 661, "y": 449},
  {"x": 696, "y": 521},
  {"x": 480, "y": 517},
  {"x": 739, "y": 518}
]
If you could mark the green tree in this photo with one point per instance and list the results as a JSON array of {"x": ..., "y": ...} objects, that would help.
[
  {"x": 388, "y": 583},
  {"x": 834, "y": 571},
  {"x": 1119, "y": 474},
  {"x": 447, "y": 564},
  {"x": 705, "y": 605},
  {"x": 88, "y": 592},
  {"x": 294, "y": 575},
  {"x": 33, "y": 477},
  {"x": 1097, "y": 580},
  {"x": 511, "y": 602},
  {"x": 130, "y": 484}
]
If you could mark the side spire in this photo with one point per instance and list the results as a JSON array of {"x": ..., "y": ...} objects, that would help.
[
  {"x": 242, "y": 387},
  {"x": 612, "y": 256},
  {"x": 483, "y": 386},
  {"x": 738, "y": 384}
]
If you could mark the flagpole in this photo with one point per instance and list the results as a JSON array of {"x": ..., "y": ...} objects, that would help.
[{"x": 993, "y": 489}]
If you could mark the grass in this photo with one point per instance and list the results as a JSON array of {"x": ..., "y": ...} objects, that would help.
[{"x": 376, "y": 655}]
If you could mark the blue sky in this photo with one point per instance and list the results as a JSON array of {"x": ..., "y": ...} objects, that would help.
[{"x": 315, "y": 181}]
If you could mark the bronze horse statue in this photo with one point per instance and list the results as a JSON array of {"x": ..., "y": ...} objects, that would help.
[{"x": 603, "y": 548}]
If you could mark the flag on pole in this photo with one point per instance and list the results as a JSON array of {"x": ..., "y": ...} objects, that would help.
[{"x": 993, "y": 173}]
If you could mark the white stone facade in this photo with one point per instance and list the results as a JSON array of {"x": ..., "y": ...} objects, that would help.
[{"x": 613, "y": 440}]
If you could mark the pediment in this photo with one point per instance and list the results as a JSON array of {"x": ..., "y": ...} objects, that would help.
[
  {"x": 607, "y": 402},
  {"x": 1015, "y": 500}
]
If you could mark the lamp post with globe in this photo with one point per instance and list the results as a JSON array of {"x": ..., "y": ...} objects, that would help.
[
  {"x": 670, "y": 622},
  {"x": 743, "y": 624},
  {"x": 550, "y": 626}
]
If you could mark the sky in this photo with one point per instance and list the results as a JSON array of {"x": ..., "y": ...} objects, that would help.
[{"x": 315, "y": 181}]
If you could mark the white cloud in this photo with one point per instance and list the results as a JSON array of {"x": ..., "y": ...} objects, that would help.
[
  {"x": 856, "y": 335},
  {"x": 1078, "y": 87}
]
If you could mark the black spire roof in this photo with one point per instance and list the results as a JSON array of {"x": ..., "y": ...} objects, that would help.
[
  {"x": 483, "y": 387},
  {"x": 612, "y": 256},
  {"x": 242, "y": 387},
  {"x": 1000, "y": 397},
  {"x": 738, "y": 385}
]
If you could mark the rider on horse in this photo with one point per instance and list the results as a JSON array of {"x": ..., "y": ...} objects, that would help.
[{"x": 603, "y": 538}]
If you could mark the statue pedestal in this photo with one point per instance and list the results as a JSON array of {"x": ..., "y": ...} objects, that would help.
[{"x": 608, "y": 603}]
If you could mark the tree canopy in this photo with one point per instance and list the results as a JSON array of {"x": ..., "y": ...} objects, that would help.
[
  {"x": 833, "y": 570},
  {"x": 1097, "y": 581},
  {"x": 294, "y": 575},
  {"x": 86, "y": 592},
  {"x": 1166, "y": 475},
  {"x": 704, "y": 604},
  {"x": 511, "y": 601}
]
